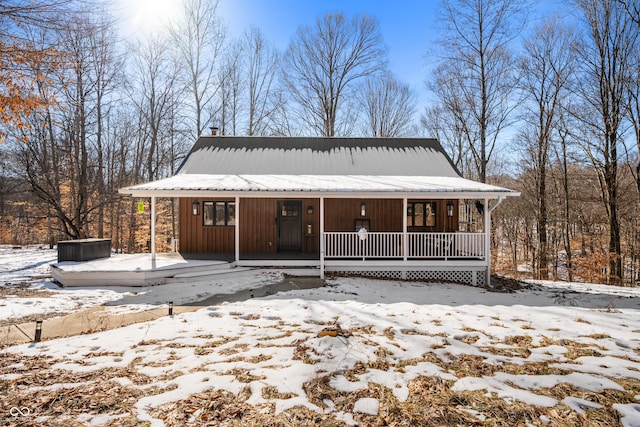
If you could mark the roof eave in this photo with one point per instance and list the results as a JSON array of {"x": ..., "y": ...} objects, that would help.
[{"x": 316, "y": 194}]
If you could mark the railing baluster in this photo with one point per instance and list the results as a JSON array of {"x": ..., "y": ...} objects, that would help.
[{"x": 419, "y": 245}]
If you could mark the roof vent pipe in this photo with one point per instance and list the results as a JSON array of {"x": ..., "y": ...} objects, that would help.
[{"x": 214, "y": 131}]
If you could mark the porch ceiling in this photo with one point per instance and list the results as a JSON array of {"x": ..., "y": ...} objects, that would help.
[{"x": 185, "y": 185}]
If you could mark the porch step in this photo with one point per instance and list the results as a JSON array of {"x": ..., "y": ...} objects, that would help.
[{"x": 203, "y": 275}]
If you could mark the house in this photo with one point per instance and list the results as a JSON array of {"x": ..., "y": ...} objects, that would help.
[{"x": 390, "y": 207}]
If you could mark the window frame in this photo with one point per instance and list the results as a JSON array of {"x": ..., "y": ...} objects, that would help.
[
  {"x": 426, "y": 219},
  {"x": 210, "y": 213}
]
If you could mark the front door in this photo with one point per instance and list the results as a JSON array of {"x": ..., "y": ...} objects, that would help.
[{"x": 289, "y": 226}]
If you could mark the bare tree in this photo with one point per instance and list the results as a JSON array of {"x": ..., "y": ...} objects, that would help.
[
  {"x": 322, "y": 63},
  {"x": 199, "y": 37},
  {"x": 547, "y": 68},
  {"x": 105, "y": 75},
  {"x": 563, "y": 156},
  {"x": 451, "y": 120},
  {"x": 60, "y": 162},
  {"x": 230, "y": 88},
  {"x": 76, "y": 87},
  {"x": 388, "y": 106},
  {"x": 262, "y": 66},
  {"x": 149, "y": 146},
  {"x": 607, "y": 59},
  {"x": 154, "y": 94},
  {"x": 282, "y": 123},
  {"x": 633, "y": 9},
  {"x": 120, "y": 156},
  {"x": 42, "y": 14},
  {"x": 478, "y": 61},
  {"x": 633, "y": 110},
  {"x": 444, "y": 126}
]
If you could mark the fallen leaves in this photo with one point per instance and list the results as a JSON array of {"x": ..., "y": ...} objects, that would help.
[{"x": 386, "y": 364}]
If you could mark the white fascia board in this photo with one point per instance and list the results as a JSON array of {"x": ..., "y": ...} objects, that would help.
[
  {"x": 317, "y": 194},
  {"x": 366, "y": 186}
]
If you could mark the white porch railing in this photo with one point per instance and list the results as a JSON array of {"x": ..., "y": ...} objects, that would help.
[{"x": 390, "y": 245}]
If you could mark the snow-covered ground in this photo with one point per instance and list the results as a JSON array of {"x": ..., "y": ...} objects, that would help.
[
  {"x": 352, "y": 351},
  {"x": 29, "y": 267}
]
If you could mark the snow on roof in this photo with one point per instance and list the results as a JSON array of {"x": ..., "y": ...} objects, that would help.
[
  {"x": 316, "y": 165},
  {"x": 178, "y": 184}
]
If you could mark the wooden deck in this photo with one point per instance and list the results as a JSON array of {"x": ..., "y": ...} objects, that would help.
[
  {"x": 132, "y": 269},
  {"x": 141, "y": 270}
]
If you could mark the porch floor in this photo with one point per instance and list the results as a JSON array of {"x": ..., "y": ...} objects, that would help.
[
  {"x": 230, "y": 257},
  {"x": 141, "y": 270}
]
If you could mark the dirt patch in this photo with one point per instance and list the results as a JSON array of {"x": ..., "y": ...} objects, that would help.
[
  {"x": 498, "y": 283},
  {"x": 23, "y": 291},
  {"x": 505, "y": 284},
  {"x": 289, "y": 283}
]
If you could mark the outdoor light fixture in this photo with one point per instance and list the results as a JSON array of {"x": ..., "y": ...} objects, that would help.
[
  {"x": 363, "y": 209},
  {"x": 310, "y": 210},
  {"x": 449, "y": 209},
  {"x": 170, "y": 308},
  {"x": 38, "y": 331},
  {"x": 196, "y": 208}
]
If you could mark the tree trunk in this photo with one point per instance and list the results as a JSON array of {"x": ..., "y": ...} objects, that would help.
[
  {"x": 542, "y": 271},
  {"x": 615, "y": 253},
  {"x": 567, "y": 227}
]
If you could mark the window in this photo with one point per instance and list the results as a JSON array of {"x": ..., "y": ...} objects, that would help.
[
  {"x": 218, "y": 213},
  {"x": 421, "y": 214},
  {"x": 362, "y": 223},
  {"x": 289, "y": 209}
]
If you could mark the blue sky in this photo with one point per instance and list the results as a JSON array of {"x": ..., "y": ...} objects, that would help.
[{"x": 408, "y": 28}]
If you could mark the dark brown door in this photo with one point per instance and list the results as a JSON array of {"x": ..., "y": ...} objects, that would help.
[{"x": 289, "y": 226}]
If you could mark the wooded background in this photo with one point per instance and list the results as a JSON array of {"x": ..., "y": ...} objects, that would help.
[{"x": 543, "y": 105}]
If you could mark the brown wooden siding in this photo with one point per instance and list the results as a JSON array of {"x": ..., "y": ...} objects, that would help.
[
  {"x": 383, "y": 214},
  {"x": 450, "y": 223},
  {"x": 258, "y": 226},
  {"x": 311, "y": 242}
]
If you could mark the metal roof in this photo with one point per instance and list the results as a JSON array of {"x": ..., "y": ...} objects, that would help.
[
  {"x": 339, "y": 167},
  {"x": 237, "y": 155}
]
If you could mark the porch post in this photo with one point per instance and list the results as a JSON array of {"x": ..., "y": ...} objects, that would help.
[
  {"x": 237, "y": 231},
  {"x": 405, "y": 247},
  {"x": 487, "y": 241},
  {"x": 153, "y": 228},
  {"x": 322, "y": 237}
]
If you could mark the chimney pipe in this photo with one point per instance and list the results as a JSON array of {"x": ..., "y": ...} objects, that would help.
[{"x": 214, "y": 130}]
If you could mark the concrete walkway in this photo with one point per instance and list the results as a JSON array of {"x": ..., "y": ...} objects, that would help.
[
  {"x": 95, "y": 319},
  {"x": 98, "y": 319}
]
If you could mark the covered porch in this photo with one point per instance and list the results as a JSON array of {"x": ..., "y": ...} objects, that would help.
[{"x": 454, "y": 255}]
